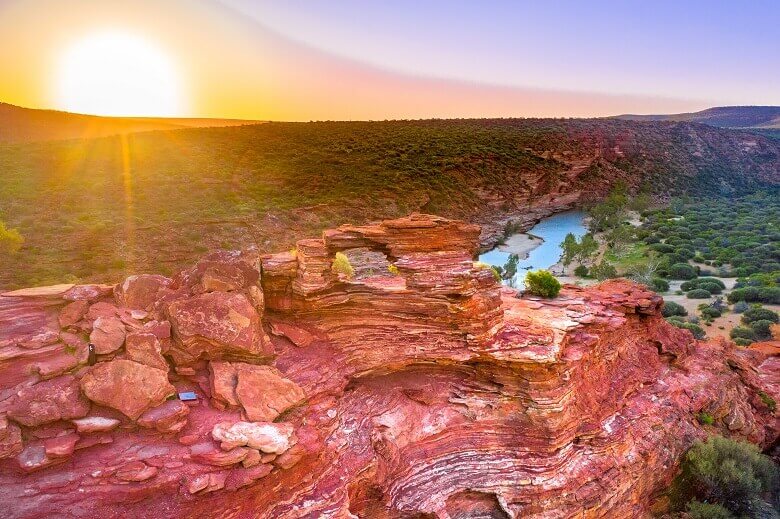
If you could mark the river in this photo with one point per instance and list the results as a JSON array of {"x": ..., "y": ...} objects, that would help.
[{"x": 552, "y": 231}]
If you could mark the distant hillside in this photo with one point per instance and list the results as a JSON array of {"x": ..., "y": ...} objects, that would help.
[
  {"x": 722, "y": 116},
  {"x": 18, "y": 125},
  {"x": 97, "y": 209}
]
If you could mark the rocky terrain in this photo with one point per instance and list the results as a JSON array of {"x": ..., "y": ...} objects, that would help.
[{"x": 423, "y": 390}]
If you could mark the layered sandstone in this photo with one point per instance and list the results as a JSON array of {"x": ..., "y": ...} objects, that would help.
[{"x": 415, "y": 388}]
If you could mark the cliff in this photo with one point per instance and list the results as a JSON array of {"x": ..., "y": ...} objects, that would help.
[{"x": 425, "y": 390}]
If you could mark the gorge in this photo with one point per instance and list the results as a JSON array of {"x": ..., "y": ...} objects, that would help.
[{"x": 417, "y": 391}]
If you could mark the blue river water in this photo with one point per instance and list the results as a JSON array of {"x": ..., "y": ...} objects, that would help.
[{"x": 552, "y": 230}]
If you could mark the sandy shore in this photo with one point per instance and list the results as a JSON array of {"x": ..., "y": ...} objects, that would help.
[{"x": 521, "y": 244}]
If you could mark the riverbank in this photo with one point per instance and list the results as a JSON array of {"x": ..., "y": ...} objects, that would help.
[{"x": 521, "y": 244}]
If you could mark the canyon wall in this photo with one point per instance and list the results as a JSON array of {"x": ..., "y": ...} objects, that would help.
[{"x": 417, "y": 387}]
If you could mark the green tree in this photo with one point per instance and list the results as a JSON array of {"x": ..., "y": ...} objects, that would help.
[
  {"x": 570, "y": 249},
  {"x": 588, "y": 246}
]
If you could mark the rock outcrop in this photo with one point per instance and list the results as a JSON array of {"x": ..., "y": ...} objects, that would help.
[{"x": 416, "y": 387}]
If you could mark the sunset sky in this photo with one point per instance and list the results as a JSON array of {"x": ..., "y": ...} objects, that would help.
[{"x": 302, "y": 60}]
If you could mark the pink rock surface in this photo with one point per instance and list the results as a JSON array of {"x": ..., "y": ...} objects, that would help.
[
  {"x": 433, "y": 393},
  {"x": 108, "y": 334},
  {"x": 145, "y": 348}
]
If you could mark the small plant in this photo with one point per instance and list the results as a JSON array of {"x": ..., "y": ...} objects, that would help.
[
  {"x": 659, "y": 285},
  {"x": 10, "y": 240},
  {"x": 740, "y": 307},
  {"x": 342, "y": 266},
  {"x": 768, "y": 401},
  {"x": 542, "y": 283},
  {"x": 671, "y": 308},
  {"x": 603, "y": 270},
  {"x": 698, "y": 293},
  {"x": 581, "y": 271},
  {"x": 741, "y": 332},
  {"x": 393, "y": 270},
  {"x": 705, "y": 418}
]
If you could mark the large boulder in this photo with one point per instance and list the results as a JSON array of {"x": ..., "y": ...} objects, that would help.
[
  {"x": 127, "y": 386},
  {"x": 108, "y": 335},
  {"x": 271, "y": 438},
  {"x": 49, "y": 401},
  {"x": 145, "y": 348},
  {"x": 223, "y": 271},
  {"x": 216, "y": 325},
  {"x": 261, "y": 391},
  {"x": 140, "y": 292}
]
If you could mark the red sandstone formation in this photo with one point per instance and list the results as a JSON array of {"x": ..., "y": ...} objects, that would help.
[{"x": 420, "y": 391}]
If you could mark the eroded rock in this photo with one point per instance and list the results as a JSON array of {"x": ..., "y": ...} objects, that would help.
[
  {"x": 49, "y": 401},
  {"x": 271, "y": 438},
  {"x": 127, "y": 386}
]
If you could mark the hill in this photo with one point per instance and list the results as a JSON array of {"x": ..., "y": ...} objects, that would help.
[
  {"x": 722, "y": 116},
  {"x": 19, "y": 125},
  {"x": 98, "y": 209}
]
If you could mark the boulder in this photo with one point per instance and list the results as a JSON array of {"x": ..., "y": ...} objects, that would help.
[
  {"x": 92, "y": 424},
  {"x": 61, "y": 446},
  {"x": 264, "y": 393},
  {"x": 223, "y": 271},
  {"x": 140, "y": 292},
  {"x": 73, "y": 312},
  {"x": 169, "y": 417},
  {"x": 145, "y": 348},
  {"x": 216, "y": 325},
  {"x": 108, "y": 335},
  {"x": 271, "y": 438},
  {"x": 127, "y": 386},
  {"x": 49, "y": 401},
  {"x": 224, "y": 377}
]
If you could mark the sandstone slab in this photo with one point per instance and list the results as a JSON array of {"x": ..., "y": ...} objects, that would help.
[
  {"x": 127, "y": 386},
  {"x": 48, "y": 401}
]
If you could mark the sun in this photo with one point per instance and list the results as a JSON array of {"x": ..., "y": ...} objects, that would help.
[{"x": 119, "y": 74}]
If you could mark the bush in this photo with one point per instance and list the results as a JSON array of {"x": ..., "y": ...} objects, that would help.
[
  {"x": 710, "y": 313},
  {"x": 755, "y": 295},
  {"x": 740, "y": 306},
  {"x": 10, "y": 240},
  {"x": 768, "y": 401},
  {"x": 729, "y": 473},
  {"x": 762, "y": 329},
  {"x": 712, "y": 288},
  {"x": 739, "y": 341},
  {"x": 542, "y": 283},
  {"x": 682, "y": 271},
  {"x": 663, "y": 248},
  {"x": 699, "y": 510},
  {"x": 659, "y": 285},
  {"x": 759, "y": 314},
  {"x": 603, "y": 270},
  {"x": 671, "y": 308},
  {"x": 392, "y": 269},
  {"x": 705, "y": 418},
  {"x": 697, "y": 331},
  {"x": 581, "y": 271},
  {"x": 341, "y": 265},
  {"x": 698, "y": 293},
  {"x": 740, "y": 332}
]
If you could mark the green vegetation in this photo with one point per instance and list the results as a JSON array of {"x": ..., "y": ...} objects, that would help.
[
  {"x": 10, "y": 240},
  {"x": 671, "y": 308},
  {"x": 392, "y": 269},
  {"x": 705, "y": 418},
  {"x": 698, "y": 293},
  {"x": 342, "y": 266},
  {"x": 603, "y": 270},
  {"x": 731, "y": 474},
  {"x": 581, "y": 271},
  {"x": 542, "y": 283},
  {"x": 697, "y": 331},
  {"x": 768, "y": 401}
]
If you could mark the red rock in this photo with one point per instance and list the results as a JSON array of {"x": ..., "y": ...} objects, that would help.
[
  {"x": 264, "y": 393},
  {"x": 297, "y": 335},
  {"x": 88, "y": 292},
  {"x": 135, "y": 471},
  {"x": 49, "y": 401},
  {"x": 92, "y": 424},
  {"x": 241, "y": 477},
  {"x": 253, "y": 457},
  {"x": 205, "y": 483},
  {"x": 61, "y": 446},
  {"x": 145, "y": 348},
  {"x": 215, "y": 325},
  {"x": 10, "y": 438},
  {"x": 169, "y": 417},
  {"x": 140, "y": 292},
  {"x": 34, "y": 458},
  {"x": 210, "y": 455},
  {"x": 223, "y": 377},
  {"x": 223, "y": 271},
  {"x": 73, "y": 313},
  {"x": 108, "y": 335},
  {"x": 127, "y": 386},
  {"x": 290, "y": 458},
  {"x": 160, "y": 329},
  {"x": 101, "y": 309}
]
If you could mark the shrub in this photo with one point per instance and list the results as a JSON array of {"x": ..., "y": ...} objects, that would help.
[
  {"x": 394, "y": 271},
  {"x": 698, "y": 293},
  {"x": 739, "y": 341},
  {"x": 705, "y": 418},
  {"x": 10, "y": 240},
  {"x": 755, "y": 295},
  {"x": 682, "y": 271},
  {"x": 341, "y": 265},
  {"x": 730, "y": 473},
  {"x": 740, "y": 306},
  {"x": 710, "y": 313},
  {"x": 671, "y": 308},
  {"x": 697, "y": 331},
  {"x": 581, "y": 271},
  {"x": 699, "y": 510},
  {"x": 759, "y": 314},
  {"x": 762, "y": 329},
  {"x": 542, "y": 283},
  {"x": 659, "y": 285},
  {"x": 712, "y": 288},
  {"x": 740, "y": 332},
  {"x": 663, "y": 248},
  {"x": 603, "y": 270},
  {"x": 768, "y": 401}
]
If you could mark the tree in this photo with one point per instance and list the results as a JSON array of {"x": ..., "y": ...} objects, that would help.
[
  {"x": 542, "y": 283},
  {"x": 588, "y": 246},
  {"x": 570, "y": 249},
  {"x": 603, "y": 270},
  {"x": 10, "y": 240}
]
